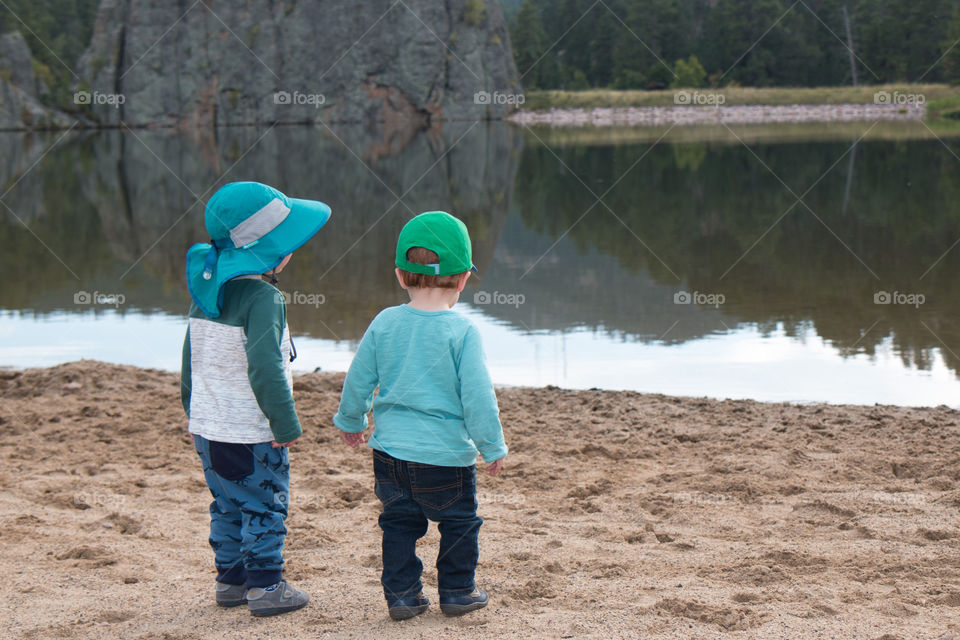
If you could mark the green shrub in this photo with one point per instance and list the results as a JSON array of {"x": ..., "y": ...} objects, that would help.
[{"x": 688, "y": 73}]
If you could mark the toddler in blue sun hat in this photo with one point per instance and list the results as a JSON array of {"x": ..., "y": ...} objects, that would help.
[
  {"x": 236, "y": 385},
  {"x": 435, "y": 410}
]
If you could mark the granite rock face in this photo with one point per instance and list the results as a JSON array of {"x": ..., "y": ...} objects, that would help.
[
  {"x": 20, "y": 90},
  {"x": 19, "y": 110},
  {"x": 16, "y": 63},
  {"x": 262, "y": 61}
]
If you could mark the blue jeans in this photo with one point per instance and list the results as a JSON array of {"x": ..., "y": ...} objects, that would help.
[
  {"x": 250, "y": 484},
  {"x": 413, "y": 493}
]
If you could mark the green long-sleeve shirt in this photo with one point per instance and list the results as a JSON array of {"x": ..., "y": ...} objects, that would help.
[{"x": 236, "y": 381}]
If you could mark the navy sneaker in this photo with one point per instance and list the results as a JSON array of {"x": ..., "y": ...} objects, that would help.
[
  {"x": 406, "y": 608},
  {"x": 459, "y": 605}
]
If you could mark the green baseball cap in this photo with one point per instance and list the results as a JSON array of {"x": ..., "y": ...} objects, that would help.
[{"x": 441, "y": 233}]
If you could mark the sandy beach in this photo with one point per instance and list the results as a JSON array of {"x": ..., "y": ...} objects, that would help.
[{"x": 618, "y": 515}]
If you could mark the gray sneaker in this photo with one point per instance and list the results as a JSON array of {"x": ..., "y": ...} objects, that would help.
[
  {"x": 231, "y": 595},
  {"x": 276, "y": 599}
]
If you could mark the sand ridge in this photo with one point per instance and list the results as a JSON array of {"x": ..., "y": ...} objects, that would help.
[{"x": 618, "y": 515}]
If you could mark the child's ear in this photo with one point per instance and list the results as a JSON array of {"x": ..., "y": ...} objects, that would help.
[
  {"x": 400, "y": 278},
  {"x": 463, "y": 281}
]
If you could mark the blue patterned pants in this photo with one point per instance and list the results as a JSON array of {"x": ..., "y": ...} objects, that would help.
[{"x": 250, "y": 484}]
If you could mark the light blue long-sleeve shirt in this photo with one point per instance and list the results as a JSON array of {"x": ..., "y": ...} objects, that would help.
[{"x": 436, "y": 403}]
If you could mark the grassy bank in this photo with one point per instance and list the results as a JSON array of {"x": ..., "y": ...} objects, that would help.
[
  {"x": 940, "y": 98},
  {"x": 746, "y": 133}
]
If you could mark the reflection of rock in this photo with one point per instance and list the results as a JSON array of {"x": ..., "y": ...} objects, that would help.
[
  {"x": 569, "y": 289},
  {"x": 24, "y": 187},
  {"x": 343, "y": 61},
  {"x": 145, "y": 210},
  {"x": 143, "y": 188}
]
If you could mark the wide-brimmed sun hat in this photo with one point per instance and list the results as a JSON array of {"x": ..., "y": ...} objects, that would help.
[{"x": 252, "y": 227}]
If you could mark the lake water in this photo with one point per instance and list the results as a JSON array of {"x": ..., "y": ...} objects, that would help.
[{"x": 680, "y": 262}]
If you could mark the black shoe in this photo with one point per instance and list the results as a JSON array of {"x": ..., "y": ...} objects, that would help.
[
  {"x": 406, "y": 608},
  {"x": 459, "y": 605}
]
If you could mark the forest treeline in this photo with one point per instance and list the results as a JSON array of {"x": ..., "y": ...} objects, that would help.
[{"x": 641, "y": 44}]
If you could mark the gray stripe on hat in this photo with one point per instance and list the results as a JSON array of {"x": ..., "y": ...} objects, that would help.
[{"x": 259, "y": 224}]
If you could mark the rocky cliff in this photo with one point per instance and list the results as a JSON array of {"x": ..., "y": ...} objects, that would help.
[
  {"x": 21, "y": 91},
  {"x": 265, "y": 61}
]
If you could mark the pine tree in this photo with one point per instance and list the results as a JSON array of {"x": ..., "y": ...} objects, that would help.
[
  {"x": 528, "y": 45},
  {"x": 951, "y": 45}
]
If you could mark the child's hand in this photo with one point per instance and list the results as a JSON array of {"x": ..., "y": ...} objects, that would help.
[
  {"x": 494, "y": 467},
  {"x": 352, "y": 439},
  {"x": 277, "y": 445}
]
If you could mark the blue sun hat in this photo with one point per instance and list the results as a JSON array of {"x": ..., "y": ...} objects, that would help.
[{"x": 252, "y": 228}]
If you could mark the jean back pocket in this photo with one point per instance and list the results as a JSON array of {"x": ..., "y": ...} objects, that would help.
[{"x": 436, "y": 487}]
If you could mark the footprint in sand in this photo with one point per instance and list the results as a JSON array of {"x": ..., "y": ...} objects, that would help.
[
  {"x": 744, "y": 597},
  {"x": 727, "y": 619},
  {"x": 122, "y": 524},
  {"x": 534, "y": 589},
  {"x": 87, "y": 557},
  {"x": 113, "y": 617},
  {"x": 935, "y": 535}
]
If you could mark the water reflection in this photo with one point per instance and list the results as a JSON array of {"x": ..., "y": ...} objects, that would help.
[
  {"x": 119, "y": 208},
  {"x": 722, "y": 218},
  {"x": 115, "y": 211}
]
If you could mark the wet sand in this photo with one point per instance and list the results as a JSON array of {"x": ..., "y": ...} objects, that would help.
[{"x": 618, "y": 515}]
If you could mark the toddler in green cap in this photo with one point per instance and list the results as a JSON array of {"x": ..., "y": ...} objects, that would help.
[
  {"x": 435, "y": 410},
  {"x": 236, "y": 386}
]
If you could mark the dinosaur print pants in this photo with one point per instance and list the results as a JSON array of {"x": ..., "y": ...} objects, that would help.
[{"x": 250, "y": 484}]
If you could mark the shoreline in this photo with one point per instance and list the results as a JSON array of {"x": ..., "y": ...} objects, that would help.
[
  {"x": 733, "y": 519},
  {"x": 683, "y": 115},
  {"x": 14, "y": 370},
  {"x": 652, "y": 115}
]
